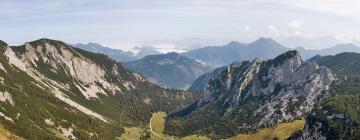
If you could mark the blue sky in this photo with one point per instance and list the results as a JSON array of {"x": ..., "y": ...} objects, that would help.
[{"x": 126, "y": 23}]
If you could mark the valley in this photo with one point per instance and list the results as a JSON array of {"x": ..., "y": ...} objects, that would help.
[
  {"x": 285, "y": 97},
  {"x": 180, "y": 70}
]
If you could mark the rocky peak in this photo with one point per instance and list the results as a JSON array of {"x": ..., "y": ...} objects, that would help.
[
  {"x": 48, "y": 42},
  {"x": 293, "y": 54},
  {"x": 264, "y": 42},
  {"x": 283, "y": 88},
  {"x": 90, "y": 73},
  {"x": 229, "y": 80},
  {"x": 233, "y": 44},
  {"x": 288, "y": 71}
]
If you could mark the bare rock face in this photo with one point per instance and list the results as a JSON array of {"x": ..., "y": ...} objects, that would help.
[
  {"x": 52, "y": 58},
  {"x": 278, "y": 90},
  {"x": 286, "y": 79}
]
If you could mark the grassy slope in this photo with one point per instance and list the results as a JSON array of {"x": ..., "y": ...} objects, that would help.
[
  {"x": 281, "y": 131},
  {"x": 157, "y": 124}
]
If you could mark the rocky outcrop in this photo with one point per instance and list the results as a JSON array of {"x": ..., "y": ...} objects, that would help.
[
  {"x": 279, "y": 90},
  {"x": 287, "y": 80},
  {"x": 54, "y": 58}
]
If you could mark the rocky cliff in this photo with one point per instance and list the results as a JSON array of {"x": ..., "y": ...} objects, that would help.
[{"x": 254, "y": 94}]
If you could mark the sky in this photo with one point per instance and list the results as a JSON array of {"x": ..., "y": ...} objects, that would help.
[{"x": 124, "y": 24}]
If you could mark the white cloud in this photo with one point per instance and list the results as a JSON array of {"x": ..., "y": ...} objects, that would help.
[
  {"x": 121, "y": 23},
  {"x": 295, "y": 24},
  {"x": 274, "y": 30},
  {"x": 349, "y": 8},
  {"x": 343, "y": 38},
  {"x": 247, "y": 28}
]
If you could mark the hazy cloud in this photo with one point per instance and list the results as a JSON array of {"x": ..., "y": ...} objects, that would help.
[{"x": 121, "y": 24}]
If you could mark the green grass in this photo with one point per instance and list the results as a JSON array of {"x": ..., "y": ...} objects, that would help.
[
  {"x": 157, "y": 123},
  {"x": 134, "y": 133},
  {"x": 281, "y": 131}
]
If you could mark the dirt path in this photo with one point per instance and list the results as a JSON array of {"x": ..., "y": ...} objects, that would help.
[{"x": 153, "y": 132}]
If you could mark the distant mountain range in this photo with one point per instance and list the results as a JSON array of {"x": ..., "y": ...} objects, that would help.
[
  {"x": 169, "y": 70},
  {"x": 216, "y": 56},
  {"x": 340, "y": 48},
  {"x": 320, "y": 42},
  {"x": 140, "y": 52},
  {"x": 117, "y": 54},
  {"x": 201, "y": 59},
  {"x": 185, "y": 44},
  {"x": 264, "y": 48}
]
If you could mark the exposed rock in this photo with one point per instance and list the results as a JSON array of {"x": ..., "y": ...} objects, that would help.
[
  {"x": 6, "y": 117},
  {"x": 5, "y": 96},
  {"x": 283, "y": 89}
]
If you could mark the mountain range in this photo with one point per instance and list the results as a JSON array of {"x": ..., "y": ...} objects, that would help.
[
  {"x": 170, "y": 70},
  {"x": 51, "y": 90},
  {"x": 216, "y": 56},
  {"x": 212, "y": 56},
  {"x": 117, "y": 54},
  {"x": 264, "y": 48},
  {"x": 340, "y": 48}
]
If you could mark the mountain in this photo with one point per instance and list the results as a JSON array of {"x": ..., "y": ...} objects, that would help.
[
  {"x": 340, "y": 48},
  {"x": 115, "y": 54},
  {"x": 141, "y": 52},
  {"x": 200, "y": 83},
  {"x": 337, "y": 115},
  {"x": 185, "y": 44},
  {"x": 170, "y": 70},
  {"x": 308, "y": 53},
  {"x": 356, "y": 42},
  {"x": 50, "y": 90},
  {"x": 251, "y": 95},
  {"x": 343, "y": 63},
  {"x": 320, "y": 42},
  {"x": 217, "y": 56}
]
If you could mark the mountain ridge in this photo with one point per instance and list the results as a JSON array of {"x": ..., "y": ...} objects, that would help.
[{"x": 278, "y": 90}]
